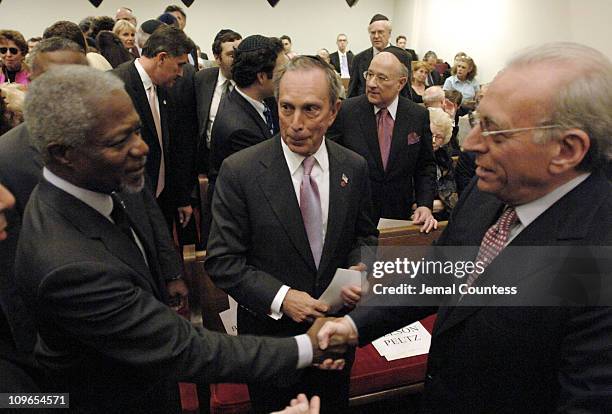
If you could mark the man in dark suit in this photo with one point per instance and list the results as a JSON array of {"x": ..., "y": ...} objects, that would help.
[
  {"x": 181, "y": 19},
  {"x": 245, "y": 117},
  {"x": 88, "y": 263},
  {"x": 276, "y": 240},
  {"x": 171, "y": 155},
  {"x": 380, "y": 32},
  {"x": 392, "y": 134},
  {"x": 342, "y": 59},
  {"x": 540, "y": 182},
  {"x": 211, "y": 85},
  {"x": 20, "y": 171}
]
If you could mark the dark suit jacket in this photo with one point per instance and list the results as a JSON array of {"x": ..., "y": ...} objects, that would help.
[
  {"x": 500, "y": 359},
  {"x": 334, "y": 58},
  {"x": 179, "y": 150},
  {"x": 258, "y": 242},
  {"x": 361, "y": 63},
  {"x": 205, "y": 84},
  {"x": 20, "y": 171},
  {"x": 411, "y": 171},
  {"x": 237, "y": 126},
  {"x": 105, "y": 335}
]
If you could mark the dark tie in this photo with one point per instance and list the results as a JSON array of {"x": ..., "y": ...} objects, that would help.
[
  {"x": 269, "y": 120},
  {"x": 120, "y": 218},
  {"x": 310, "y": 206},
  {"x": 385, "y": 131},
  {"x": 494, "y": 241},
  {"x": 226, "y": 89}
]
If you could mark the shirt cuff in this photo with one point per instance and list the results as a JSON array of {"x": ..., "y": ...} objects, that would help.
[
  {"x": 304, "y": 351},
  {"x": 275, "y": 308},
  {"x": 352, "y": 322}
]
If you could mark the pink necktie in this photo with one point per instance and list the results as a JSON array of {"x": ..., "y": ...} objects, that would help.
[
  {"x": 161, "y": 179},
  {"x": 310, "y": 206},
  {"x": 494, "y": 241},
  {"x": 385, "y": 131}
]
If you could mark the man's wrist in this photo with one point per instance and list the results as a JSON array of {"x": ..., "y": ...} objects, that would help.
[{"x": 172, "y": 279}]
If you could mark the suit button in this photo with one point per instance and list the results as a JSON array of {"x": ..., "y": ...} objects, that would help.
[{"x": 429, "y": 377}]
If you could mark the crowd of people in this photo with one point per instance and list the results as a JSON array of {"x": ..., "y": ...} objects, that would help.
[{"x": 107, "y": 124}]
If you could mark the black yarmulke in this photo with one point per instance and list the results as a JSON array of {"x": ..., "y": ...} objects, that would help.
[
  {"x": 255, "y": 42},
  {"x": 401, "y": 55},
  {"x": 379, "y": 17},
  {"x": 150, "y": 25}
]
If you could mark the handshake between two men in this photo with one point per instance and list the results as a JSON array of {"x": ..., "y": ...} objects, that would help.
[{"x": 330, "y": 337}]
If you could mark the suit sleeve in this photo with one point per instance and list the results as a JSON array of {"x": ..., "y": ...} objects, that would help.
[
  {"x": 103, "y": 308},
  {"x": 228, "y": 246},
  {"x": 336, "y": 130},
  {"x": 584, "y": 369},
  {"x": 243, "y": 138},
  {"x": 356, "y": 79},
  {"x": 425, "y": 172}
]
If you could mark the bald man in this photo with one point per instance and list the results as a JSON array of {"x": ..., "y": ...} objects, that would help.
[{"x": 392, "y": 134}]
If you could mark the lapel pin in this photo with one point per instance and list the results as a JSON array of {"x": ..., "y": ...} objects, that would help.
[
  {"x": 344, "y": 181},
  {"x": 164, "y": 101}
]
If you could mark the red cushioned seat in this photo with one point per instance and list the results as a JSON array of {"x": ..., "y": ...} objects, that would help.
[{"x": 371, "y": 373}]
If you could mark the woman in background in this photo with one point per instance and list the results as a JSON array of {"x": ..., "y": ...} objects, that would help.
[
  {"x": 126, "y": 33},
  {"x": 420, "y": 71},
  {"x": 463, "y": 80},
  {"x": 13, "y": 49},
  {"x": 111, "y": 47}
]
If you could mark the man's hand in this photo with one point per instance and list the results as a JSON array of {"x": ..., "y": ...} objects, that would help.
[
  {"x": 333, "y": 357},
  {"x": 351, "y": 295},
  {"x": 184, "y": 215},
  {"x": 423, "y": 215},
  {"x": 300, "y": 405},
  {"x": 177, "y": 289},
  {"x": 336, "y": 331},
  {"x": 300, "y": 306}
]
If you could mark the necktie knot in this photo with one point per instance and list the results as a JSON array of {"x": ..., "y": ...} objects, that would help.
[
  {"x": 507, "y": 219},
  {"x": 308, "y": 164}
]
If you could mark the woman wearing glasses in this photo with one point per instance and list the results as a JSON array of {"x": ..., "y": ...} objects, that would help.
[{"x": 13, "y": 49}]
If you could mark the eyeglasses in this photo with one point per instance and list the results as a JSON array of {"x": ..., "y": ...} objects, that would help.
[
  {"x": 13, "y": 50},
  {"x": 475, "y": 120},
  {"x": 367, "y": 75}
]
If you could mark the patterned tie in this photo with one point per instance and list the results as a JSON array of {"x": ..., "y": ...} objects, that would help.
[
  {"x": 153, "y": 103},
  {"x": 494, "y": 241},
  {"x": 385, "y": 131},
  {"x": 269, "y": 120},
  {"x": 310, "y": 206}
]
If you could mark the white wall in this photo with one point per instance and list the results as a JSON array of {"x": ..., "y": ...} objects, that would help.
[
  {"x": 491, "y": 31},
  {"x": 311, "y": 24}
]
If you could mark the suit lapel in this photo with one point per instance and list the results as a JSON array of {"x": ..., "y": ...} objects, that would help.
[
  {"x": 141, "y": 102},
  {"x": 162, "y": 97},
  {"x": 207, "y": 91},
  {"x": 367, "y": 120},
  {"x": 252, "y": 112},
  {"x": 97, "y": 227},
  {"x": 338, "y": 205},
  {"x": 277, "y": 187}
]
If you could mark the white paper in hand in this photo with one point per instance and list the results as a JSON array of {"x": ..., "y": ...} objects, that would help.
[
  {"x": 229, "y": 317},
  {"x": 343, "y": 277}
]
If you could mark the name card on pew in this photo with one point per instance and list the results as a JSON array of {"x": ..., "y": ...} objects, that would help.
[{"x": 406, "y": 342}]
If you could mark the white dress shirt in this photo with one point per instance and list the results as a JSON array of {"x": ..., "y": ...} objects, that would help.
[
  {"x": 344, "y": 69},
  {"x": 392, "y": 108},
  {"x": 320, "y": 174},
  {"x": 214, "y": 103}
]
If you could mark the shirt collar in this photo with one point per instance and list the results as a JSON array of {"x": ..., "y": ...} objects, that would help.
[
  {"x": 528, "y": 212},
  {"x": 221, "y": 79},
  {"x": 294, "y": 161},
  {"x": 259, "y": 106},
  {"x": 102, "y": 203},
  {"x": 392, "y": 108},
  {"x": 147, "y": 82}
]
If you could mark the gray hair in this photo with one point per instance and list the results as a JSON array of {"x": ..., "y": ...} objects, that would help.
[
  {"x": 305, "y": 63},
  {"x": 61, "y": 105},
  {"x": 432, "y": 95},
  {"x": 583, "y": 102},
  {"x": 54, "y": 44},
  {"x": 441, "y": 119}
]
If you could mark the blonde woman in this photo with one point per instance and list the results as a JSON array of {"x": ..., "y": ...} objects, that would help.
[
  {"x": 420, "y": 71},
  {"x": 126, "y": 31}
]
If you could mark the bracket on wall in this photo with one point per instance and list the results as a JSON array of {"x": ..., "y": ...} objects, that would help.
[
  {"x": 96, "y": 3},
  {"x": 273, "y": 2},
  {"x": 351, "y": 3},
  {"x": 188, "y": 3}
]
